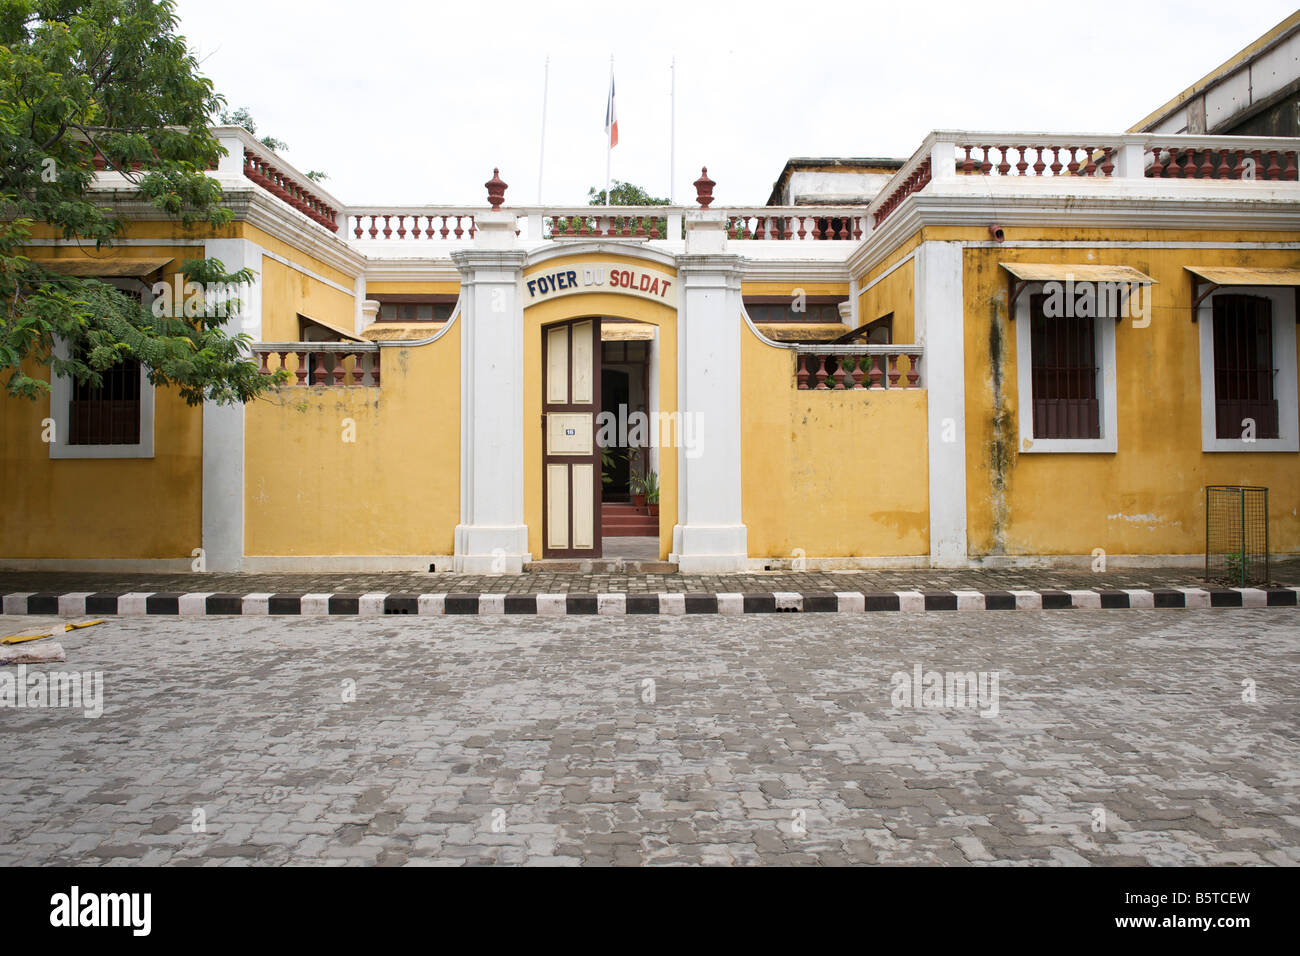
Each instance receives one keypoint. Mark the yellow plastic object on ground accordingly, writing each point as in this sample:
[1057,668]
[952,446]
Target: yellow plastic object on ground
[74,627]
[22,638]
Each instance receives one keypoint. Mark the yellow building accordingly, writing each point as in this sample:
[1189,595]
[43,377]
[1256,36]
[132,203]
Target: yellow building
[1005,348]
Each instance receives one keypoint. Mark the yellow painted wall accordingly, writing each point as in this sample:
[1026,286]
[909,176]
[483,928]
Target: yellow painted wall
[108,508]
[287,292]
[138,508]
[1147,498]
[601,304]
[413,288]
[895,293]
[395,491]
[834,473]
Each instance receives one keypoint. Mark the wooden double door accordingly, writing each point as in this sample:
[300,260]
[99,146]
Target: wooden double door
[571,466]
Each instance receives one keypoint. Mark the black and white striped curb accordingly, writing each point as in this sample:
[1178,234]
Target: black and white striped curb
[170,602]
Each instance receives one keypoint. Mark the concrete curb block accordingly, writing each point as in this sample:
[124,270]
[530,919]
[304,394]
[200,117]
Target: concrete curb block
[81,603]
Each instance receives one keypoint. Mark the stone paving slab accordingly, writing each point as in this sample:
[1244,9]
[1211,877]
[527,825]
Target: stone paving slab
[1120,738]
[81,603]
[1285,573]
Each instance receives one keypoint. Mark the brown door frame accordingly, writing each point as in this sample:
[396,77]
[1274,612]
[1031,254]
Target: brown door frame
[547,459]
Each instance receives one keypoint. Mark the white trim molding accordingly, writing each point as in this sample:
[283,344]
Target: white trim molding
[1104,330]
[1284,382]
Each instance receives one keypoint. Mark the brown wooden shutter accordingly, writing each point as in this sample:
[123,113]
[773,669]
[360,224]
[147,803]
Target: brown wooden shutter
[1064,374]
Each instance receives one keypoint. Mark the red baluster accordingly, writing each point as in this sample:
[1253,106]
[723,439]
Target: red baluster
[844,227]
[261,368]
[893,371]
[1222,172]
[428,232]
[1072,167]
[967,164]
[874,374]
[338,368]
[1107,167]
[839,373]
[473,227]
[358,367]
[857,227]
[300,373]
[401,227]
[1004,166]
[801,376]
[376,354]
[1289,174]
[1157,168]
[1021,166]
[1039,165]
[1090,166]
[1274,170]
[444,231]
[821,371]
[388,232]
[1056,161]
[458,231]
[857,371]
[374,226]
[1207,168]
[914,370]
[817,227]
[357,231]
[802,233]
[985,164]
[1240,167]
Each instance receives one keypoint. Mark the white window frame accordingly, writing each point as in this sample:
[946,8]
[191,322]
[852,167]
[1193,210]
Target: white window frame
[1104,330]
[1284,383]
[61,396]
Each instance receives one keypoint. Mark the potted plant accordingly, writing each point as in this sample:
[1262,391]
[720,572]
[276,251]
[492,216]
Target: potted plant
[636,486]
[651,486]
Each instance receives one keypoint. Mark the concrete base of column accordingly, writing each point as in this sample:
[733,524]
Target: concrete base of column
[489,549]
[710,549]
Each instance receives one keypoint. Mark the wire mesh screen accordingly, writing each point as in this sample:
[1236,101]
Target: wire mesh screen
[1236,534]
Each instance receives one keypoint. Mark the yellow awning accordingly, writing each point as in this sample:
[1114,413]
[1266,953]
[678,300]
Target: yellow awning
[1245,275]
[119,266]
[1049,272]
[343,334]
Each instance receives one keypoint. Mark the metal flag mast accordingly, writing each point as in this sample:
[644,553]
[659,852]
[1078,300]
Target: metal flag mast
[609,128]
[541,159]
[672,134]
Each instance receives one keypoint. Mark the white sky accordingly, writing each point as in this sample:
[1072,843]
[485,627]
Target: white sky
[408,102]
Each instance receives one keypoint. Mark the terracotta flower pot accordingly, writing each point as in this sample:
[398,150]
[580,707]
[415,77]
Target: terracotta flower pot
[654,509]
[638,501]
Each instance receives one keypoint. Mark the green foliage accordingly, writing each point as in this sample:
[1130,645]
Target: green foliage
[650,487]
[624,194]
[107,78]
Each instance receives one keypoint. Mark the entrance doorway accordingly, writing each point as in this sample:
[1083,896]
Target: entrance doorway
[570,456]
[629,527]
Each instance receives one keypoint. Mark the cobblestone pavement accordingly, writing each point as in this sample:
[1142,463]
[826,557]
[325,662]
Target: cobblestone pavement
[1285,573]
[769,739]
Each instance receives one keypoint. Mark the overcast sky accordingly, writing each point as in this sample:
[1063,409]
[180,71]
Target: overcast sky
[415,102]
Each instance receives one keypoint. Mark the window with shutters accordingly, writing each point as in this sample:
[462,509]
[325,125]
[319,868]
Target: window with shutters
[1064,351]
[1243,367]
[1065,378]
[1248,369]
[113,419]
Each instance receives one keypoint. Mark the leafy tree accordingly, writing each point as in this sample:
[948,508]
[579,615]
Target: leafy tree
[624,194]
[107,80]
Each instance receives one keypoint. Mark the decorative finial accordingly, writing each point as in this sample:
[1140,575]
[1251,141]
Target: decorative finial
[704,188]
[496,189]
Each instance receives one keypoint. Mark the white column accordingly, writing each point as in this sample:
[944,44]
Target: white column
[710,535]
[491,536]
[940,327]
[223,425]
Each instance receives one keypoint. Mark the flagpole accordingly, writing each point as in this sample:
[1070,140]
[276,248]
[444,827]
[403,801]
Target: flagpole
[541,159]
[609,134]
[672,135]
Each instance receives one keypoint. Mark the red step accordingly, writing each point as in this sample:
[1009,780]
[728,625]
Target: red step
[620,520]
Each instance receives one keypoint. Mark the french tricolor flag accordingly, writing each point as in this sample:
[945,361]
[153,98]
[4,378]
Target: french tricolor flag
[611,115]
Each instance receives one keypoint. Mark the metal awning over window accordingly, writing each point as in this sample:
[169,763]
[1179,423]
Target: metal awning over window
[119,267]
[1208,279]
[1023,273]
